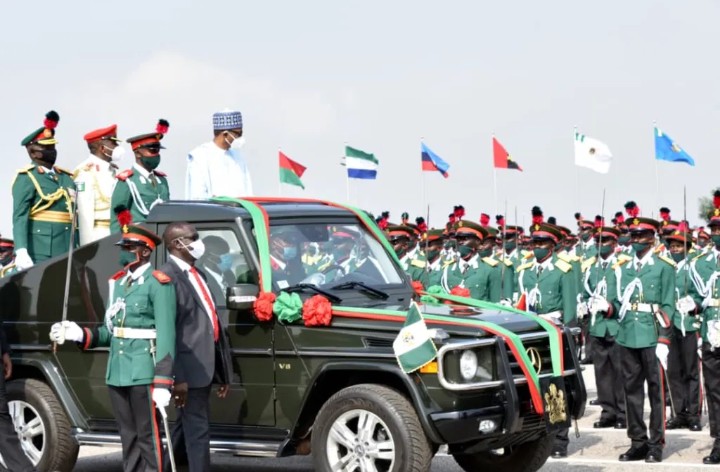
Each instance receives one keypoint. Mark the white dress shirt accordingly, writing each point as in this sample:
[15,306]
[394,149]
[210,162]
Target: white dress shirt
[185,267]
[213,171]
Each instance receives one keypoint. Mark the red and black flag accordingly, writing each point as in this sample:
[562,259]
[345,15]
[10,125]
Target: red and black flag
[502,157]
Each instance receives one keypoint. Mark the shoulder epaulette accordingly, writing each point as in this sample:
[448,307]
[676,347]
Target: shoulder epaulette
[418,263]
[124,175]
[490,261]
[667,260]
[161,276]
[160,173]
[117,275]
[621,261]
[697,256]
[588,263]
[527,265]
[26,169]
[508,262]
[565,257]
[528,255]
[659,248]
[62,171]
[622,257]
[563,266]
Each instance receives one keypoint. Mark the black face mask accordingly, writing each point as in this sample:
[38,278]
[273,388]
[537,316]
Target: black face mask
[48,156]
[6,260]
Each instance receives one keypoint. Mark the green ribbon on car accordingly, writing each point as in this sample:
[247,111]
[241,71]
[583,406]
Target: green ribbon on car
[260,223]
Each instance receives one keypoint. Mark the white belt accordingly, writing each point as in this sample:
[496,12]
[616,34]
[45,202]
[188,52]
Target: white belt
[134,333]
[644,307]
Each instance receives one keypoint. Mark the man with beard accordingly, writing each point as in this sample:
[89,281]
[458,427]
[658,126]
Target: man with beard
[43,197]
[142,187]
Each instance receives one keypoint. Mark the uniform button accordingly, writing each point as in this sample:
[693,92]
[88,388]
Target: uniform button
[121,343]
[120,352]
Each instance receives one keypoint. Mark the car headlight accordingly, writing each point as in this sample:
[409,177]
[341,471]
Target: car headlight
[468,364]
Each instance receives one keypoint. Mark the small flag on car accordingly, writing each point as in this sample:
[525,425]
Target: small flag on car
[413,346]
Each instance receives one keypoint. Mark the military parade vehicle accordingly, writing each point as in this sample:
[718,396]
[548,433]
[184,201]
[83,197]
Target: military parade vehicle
[321,380]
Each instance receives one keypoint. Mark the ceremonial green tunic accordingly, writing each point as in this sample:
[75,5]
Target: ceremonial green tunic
[654,283]
[554,288]
[705,270]
[149,303]
[137,190]
[42,211]
[602,276]
[684,287]
[482,276]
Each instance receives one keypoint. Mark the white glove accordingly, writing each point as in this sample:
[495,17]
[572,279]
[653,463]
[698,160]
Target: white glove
[505,302]
[685,305]
[67,330]
[161,397]
[22,259]
[661,352]
[598,304]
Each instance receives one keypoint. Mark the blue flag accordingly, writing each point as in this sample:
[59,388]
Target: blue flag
[667,150]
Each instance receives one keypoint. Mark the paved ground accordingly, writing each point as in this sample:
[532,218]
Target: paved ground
[595,450]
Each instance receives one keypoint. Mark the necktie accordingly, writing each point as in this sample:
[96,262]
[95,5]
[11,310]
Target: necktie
[539,271]
[153,180]
[208,301]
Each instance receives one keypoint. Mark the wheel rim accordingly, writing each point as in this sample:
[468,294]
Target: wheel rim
[30,430]
[359,441]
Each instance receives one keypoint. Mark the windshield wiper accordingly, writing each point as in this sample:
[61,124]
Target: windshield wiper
[314,288]
[362,285]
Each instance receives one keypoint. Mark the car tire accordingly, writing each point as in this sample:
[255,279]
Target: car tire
[35,404]
[525,457]
[393,440]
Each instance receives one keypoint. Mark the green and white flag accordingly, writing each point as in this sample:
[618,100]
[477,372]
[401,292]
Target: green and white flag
[413,346]
[592,153]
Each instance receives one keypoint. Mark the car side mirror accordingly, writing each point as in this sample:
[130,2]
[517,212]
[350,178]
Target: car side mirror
[241,296]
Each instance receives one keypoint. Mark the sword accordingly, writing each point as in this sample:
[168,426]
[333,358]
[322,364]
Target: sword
[68,271]
[163,414]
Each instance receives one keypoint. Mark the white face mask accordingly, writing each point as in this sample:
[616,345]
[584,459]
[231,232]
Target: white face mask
[238,143]
[195,248]
[117,154]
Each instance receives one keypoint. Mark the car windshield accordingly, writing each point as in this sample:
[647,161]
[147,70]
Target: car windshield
[326,255]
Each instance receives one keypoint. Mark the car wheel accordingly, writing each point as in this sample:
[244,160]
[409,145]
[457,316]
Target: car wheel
[42,426]
[369,427]
[526,457]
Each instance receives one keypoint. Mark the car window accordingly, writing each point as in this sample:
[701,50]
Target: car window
[328,254]
[224,261]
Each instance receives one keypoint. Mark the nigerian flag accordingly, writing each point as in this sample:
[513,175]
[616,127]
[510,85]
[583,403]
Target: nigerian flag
[413,346]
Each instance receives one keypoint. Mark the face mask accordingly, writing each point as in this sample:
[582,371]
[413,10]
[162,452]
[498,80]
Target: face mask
[640,247]
[127,257]
[624,240]
[466,251]
[433,254]
[6,260]
[117,154]
[49,156]
[150,163]
[716,240]
[290,252]
[606,251]
[677,256]
[400,251]
[510,245]
[237,143]
[225,263]
[541,253]
[486,252]
[585,237]
[195,248]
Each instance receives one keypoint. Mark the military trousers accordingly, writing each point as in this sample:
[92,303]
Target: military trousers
[640,365]
[609,378]
[711,377]
[684,375]
[138,422]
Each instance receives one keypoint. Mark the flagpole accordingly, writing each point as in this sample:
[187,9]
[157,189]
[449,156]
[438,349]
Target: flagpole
[347,175]
[425,203]
[657,175]
[279,181]
[495,197]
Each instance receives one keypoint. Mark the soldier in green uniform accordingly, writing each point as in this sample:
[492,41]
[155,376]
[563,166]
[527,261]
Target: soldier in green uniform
[432,247]
[7,257]
[705,271]
[550,288]
[683,363]
[142,187]
[585,247]
[476,269]
[401,238]
[42,200]
[600,289]
[645,302]
[139,329]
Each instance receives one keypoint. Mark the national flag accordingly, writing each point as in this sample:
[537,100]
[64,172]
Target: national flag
[502,158]
[433,162]
[591,153]
[290,171]
[667,150]
[413,345]
[360,164]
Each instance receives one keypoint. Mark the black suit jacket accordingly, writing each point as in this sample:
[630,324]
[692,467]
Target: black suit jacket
[198,358]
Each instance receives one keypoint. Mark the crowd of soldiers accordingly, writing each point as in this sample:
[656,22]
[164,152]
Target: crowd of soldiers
[644,293]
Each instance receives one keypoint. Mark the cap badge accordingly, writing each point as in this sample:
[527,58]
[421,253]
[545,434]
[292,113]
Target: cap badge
[636,221]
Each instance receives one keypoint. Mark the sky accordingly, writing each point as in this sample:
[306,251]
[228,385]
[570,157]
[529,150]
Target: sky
[310,77]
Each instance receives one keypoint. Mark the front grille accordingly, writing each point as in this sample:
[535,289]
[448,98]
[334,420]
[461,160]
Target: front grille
[539,347]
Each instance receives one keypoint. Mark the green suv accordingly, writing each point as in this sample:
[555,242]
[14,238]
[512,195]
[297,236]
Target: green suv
[328,385]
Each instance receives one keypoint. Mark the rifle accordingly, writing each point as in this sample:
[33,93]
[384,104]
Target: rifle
[502,251]
[598,257]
